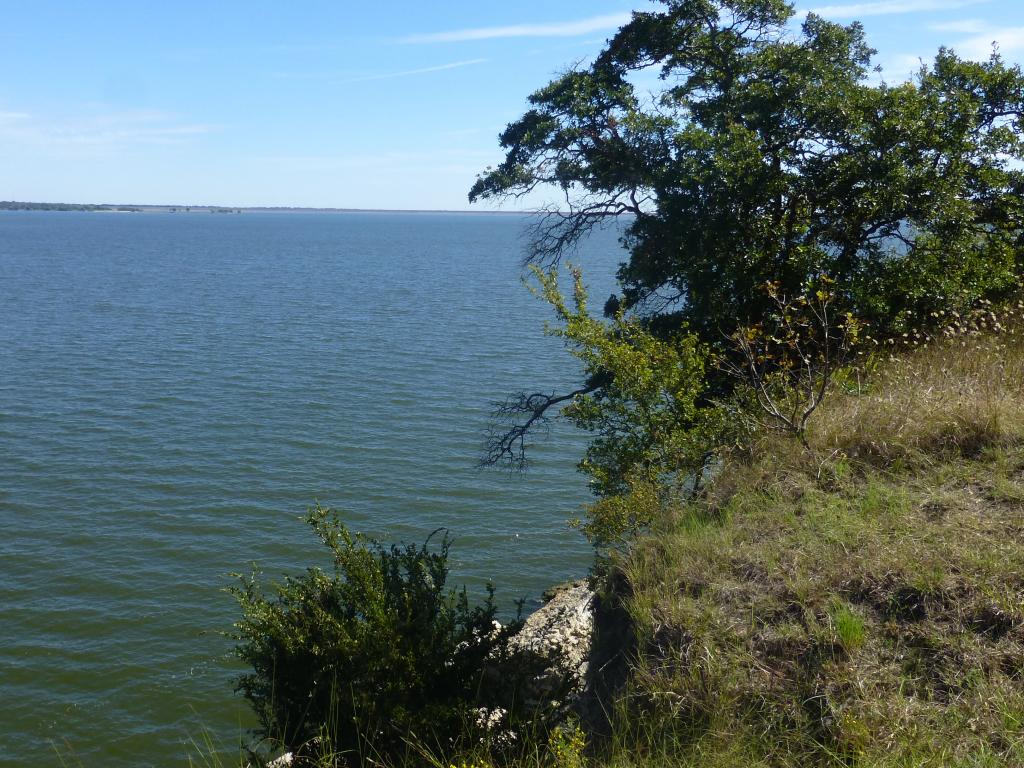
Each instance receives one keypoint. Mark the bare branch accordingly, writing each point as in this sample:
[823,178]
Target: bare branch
[507,445]
[557,231]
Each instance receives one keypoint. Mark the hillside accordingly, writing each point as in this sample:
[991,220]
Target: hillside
[860,602]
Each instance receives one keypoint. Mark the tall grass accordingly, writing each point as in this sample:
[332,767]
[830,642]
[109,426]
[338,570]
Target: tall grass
[957,393]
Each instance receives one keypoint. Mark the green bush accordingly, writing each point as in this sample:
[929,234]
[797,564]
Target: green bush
[650,416]
[369,657]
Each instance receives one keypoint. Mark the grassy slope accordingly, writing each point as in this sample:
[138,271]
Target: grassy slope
[861,602]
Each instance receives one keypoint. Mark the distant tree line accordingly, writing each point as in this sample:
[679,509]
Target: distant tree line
[13,205]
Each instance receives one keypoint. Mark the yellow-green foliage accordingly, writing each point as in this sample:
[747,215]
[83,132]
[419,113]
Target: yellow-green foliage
[646,418]
[618,518]
[787,361]
[565,747]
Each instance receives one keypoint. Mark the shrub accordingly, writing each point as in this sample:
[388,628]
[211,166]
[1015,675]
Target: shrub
[369,657]
[788,361]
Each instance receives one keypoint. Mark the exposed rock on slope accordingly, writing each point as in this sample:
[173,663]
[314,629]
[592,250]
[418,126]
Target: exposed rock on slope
[556,639]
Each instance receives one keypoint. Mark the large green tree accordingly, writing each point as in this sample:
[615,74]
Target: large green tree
[771,153]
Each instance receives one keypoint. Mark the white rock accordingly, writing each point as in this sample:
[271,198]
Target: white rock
[560,633]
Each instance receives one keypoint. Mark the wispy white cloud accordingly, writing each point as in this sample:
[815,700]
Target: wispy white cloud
[419,71]
[977,40]
[552,29]
[964,26]
[889,7]
[350,76]
[113,128]
[1008,40]
[469,161]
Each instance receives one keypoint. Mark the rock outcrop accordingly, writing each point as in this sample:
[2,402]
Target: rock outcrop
[555,644]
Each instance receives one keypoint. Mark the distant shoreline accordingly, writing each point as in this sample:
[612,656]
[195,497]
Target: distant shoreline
[13,205]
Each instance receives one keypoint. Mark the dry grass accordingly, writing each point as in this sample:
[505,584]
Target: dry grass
[956,394]
[860,602]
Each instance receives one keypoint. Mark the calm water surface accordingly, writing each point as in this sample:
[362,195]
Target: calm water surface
[176,390]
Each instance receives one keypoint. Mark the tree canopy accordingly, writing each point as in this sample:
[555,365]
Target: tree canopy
[771,153]
[767,154]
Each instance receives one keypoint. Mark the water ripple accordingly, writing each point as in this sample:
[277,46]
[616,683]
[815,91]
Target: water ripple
[175,392]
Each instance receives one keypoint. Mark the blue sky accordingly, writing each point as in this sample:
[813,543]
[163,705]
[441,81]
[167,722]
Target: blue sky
[376,105]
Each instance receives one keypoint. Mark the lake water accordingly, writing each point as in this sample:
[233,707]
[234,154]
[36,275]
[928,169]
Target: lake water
[177,389]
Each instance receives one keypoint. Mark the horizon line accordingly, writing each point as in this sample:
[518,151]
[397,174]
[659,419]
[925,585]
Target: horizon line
[206,206]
